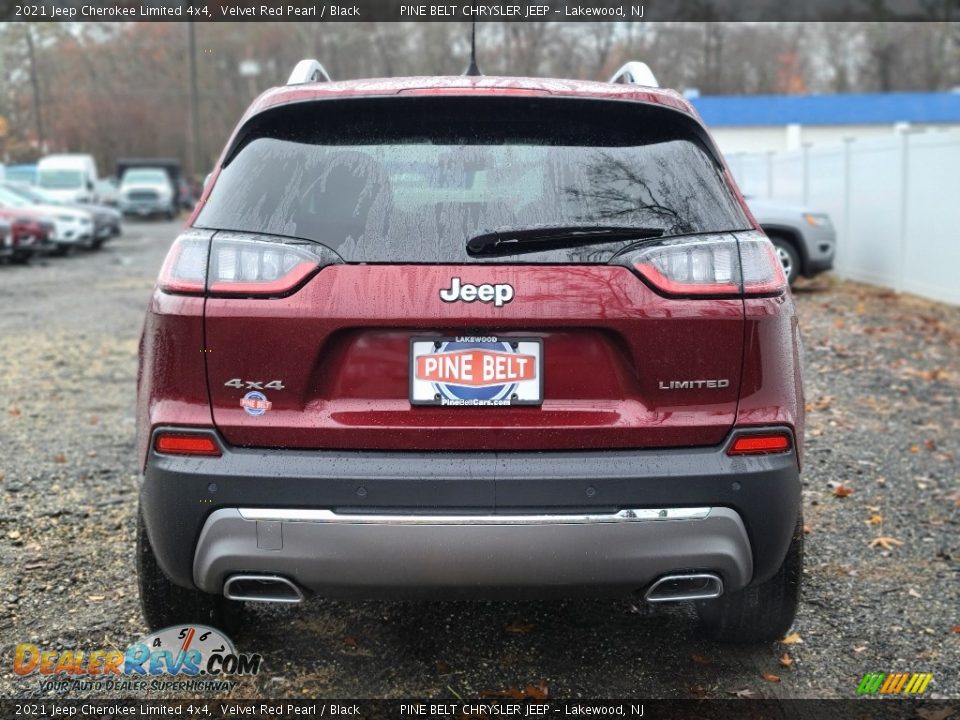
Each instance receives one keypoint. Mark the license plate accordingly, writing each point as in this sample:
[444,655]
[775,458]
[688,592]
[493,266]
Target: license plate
[476,371]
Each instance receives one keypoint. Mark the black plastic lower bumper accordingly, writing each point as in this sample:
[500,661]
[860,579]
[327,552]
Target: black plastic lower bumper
[179,493]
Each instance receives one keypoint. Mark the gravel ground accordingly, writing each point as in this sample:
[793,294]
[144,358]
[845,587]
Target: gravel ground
[881,501]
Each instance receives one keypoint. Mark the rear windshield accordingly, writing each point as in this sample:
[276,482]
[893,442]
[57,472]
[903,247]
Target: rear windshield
[413,179]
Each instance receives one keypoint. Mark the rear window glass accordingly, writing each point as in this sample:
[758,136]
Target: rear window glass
[413,179]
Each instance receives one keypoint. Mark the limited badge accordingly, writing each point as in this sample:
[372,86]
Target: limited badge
[255,403]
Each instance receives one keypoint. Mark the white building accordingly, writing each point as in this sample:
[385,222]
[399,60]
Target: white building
[774,123]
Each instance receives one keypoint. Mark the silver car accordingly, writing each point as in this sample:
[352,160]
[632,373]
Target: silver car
[805,239]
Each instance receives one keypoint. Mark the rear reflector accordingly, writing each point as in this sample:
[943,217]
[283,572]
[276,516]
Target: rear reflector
[186,444]
[760,444]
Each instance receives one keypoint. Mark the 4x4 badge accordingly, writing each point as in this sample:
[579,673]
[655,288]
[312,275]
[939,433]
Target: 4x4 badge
[499,294]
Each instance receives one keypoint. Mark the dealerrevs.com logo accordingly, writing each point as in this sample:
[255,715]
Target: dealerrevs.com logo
[903,683]
[192,658]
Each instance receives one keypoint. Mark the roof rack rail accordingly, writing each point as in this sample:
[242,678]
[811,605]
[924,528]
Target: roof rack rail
[308,71]
[635,73]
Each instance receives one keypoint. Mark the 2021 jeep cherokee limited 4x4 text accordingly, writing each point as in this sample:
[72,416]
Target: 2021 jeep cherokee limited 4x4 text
[471,336]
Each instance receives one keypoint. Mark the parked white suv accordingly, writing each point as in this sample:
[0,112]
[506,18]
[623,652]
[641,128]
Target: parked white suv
[147,191]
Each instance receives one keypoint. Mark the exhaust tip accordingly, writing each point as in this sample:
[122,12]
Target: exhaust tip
[262,588]
[689,586]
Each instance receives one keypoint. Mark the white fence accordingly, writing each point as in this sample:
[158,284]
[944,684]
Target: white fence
[895,202]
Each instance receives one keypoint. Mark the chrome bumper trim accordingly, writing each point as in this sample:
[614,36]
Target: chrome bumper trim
[329,516]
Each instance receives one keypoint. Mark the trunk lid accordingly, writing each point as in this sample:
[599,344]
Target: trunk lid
[333,361]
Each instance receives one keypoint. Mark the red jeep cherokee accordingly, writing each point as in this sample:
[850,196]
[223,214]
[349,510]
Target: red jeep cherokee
[471,336]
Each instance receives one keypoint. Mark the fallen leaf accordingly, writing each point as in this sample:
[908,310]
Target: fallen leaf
[745,693]
[913,593]
[701,660]
[519,628]
[350,642]
[60,458]
[839,323]
[859,648]
[96,598]
[861,308]
[785,660]
[537,692]
[697,691]
[770,677]
[14,534]
[821,404]
[887,543]
[875,520]
[792,639]
[914,449]
[842,491]
[955,629]
[929,375]
[442,667]
[930,445]
[94,419]
[807,529]
[13,412]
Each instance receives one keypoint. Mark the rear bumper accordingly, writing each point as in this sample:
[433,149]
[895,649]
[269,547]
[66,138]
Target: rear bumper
[312,510]
[364,555]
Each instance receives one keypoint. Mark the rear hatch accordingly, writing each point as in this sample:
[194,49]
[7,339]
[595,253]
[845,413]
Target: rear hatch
[466,273]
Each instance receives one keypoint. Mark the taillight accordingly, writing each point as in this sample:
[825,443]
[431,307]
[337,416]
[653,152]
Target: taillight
[258,265]
[185,269]
[709,265]
[760,268]
[173,443]
[237,264]
[760,443]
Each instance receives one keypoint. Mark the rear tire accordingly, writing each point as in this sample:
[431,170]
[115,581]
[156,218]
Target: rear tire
[788,256]
[164,603]
[759,613]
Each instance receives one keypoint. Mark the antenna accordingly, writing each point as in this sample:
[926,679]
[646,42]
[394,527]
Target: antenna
[472,69]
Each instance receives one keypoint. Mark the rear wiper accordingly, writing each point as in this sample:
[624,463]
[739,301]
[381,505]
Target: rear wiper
[508,242]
